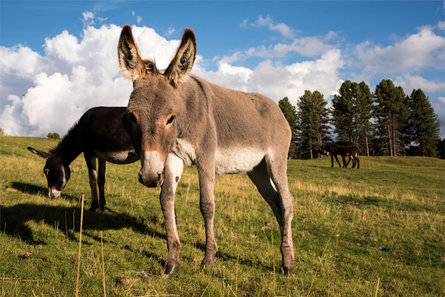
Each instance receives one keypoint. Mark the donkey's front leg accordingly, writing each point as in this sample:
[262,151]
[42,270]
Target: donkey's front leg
[92,174]
[172,174]
[206,172]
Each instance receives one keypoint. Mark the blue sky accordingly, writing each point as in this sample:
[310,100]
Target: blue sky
[59,57]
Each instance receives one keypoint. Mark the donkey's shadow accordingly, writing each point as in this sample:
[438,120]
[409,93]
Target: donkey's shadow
[14,220]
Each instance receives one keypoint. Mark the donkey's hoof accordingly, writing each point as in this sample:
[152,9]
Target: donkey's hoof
[94,206]
[170,269]
[286,270]
[102,208]
[206,263]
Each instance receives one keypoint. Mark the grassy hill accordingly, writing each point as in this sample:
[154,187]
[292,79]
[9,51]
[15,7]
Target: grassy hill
[376,231]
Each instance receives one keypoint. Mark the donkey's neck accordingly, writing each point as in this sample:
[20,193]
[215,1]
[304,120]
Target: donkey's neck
[70,146]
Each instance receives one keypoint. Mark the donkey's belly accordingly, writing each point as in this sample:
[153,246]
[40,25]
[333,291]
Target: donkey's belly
[237,160]
[118,157]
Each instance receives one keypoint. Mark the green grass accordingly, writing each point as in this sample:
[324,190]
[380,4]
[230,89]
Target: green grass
[376,231]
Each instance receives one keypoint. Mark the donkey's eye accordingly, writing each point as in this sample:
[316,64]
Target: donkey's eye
[149,68]
[133,118]
[170,120]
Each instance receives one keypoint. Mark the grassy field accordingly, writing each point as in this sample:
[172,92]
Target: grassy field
[376,231]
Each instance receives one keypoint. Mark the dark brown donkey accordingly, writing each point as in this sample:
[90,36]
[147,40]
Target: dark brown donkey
[344,149]
[100,133]
[180,119]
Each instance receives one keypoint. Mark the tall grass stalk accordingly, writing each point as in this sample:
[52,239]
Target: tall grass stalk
[103,263]
[80,247]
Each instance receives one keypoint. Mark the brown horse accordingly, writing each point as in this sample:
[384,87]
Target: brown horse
[344,149]
[100,133]
[179,118]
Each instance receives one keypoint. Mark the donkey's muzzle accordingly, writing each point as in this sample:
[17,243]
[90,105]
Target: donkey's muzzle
[53,193]
[152,168]
[151,180]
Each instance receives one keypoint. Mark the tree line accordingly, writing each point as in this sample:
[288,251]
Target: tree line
[386,122]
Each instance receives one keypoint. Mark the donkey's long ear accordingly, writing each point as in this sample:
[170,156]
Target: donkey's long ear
[130,62]
[39,153]
[181,65]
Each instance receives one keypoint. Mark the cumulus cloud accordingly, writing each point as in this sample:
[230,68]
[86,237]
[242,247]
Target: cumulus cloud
[410,82]
[50,91]
[418,51]
[277,81]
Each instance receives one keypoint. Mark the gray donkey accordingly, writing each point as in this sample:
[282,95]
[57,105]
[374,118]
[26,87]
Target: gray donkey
[179,118]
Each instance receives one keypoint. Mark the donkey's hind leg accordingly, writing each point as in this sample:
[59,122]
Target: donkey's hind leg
[92,174]
[101,182]
[282,206]
[260,177]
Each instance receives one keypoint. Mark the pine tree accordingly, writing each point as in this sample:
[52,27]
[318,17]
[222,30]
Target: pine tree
[424,124]
[352,111]
[290,113]
[391,113]
[363,115]
[342,112]
[312,121]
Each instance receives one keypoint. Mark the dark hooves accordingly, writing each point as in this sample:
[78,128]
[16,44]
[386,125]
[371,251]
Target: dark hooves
[170,270]
[94,206]
[286,270]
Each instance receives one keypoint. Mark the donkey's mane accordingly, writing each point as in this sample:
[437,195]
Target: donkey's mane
[68,142]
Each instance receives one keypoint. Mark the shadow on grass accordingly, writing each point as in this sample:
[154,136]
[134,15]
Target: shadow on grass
[37,190]
[14,219]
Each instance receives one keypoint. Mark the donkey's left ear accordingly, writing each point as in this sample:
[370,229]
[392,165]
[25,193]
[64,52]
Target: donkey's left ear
[130,62]
[181,65]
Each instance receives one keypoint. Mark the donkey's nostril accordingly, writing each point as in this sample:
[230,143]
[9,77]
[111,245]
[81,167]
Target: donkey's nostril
[159,176]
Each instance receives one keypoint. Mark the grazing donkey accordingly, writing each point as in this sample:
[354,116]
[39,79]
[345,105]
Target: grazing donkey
[179,118]
[343,149]
[100,133]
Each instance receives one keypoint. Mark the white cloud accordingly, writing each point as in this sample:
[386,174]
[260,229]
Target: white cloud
[170,30]
[418,51]
[278,81]
[281,28]
[410,82]
[51,91]
[139,19]
[88,18]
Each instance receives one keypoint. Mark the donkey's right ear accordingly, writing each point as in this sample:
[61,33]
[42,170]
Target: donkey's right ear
[39,153]
[130,61]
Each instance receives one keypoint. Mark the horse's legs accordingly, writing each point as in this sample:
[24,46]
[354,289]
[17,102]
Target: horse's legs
[332,160]
[277,168]
[206,172]
[172,174]
[101,181]
[91,164]
[335,155]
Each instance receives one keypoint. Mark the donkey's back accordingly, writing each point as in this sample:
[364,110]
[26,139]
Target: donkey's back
[247,126]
